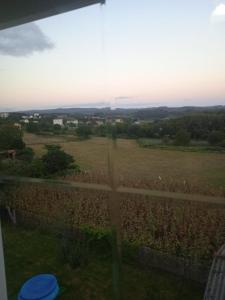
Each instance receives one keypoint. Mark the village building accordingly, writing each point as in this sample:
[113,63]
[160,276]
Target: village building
[26,121]
[4,115]
[72,122]
[18,125]
[58,122]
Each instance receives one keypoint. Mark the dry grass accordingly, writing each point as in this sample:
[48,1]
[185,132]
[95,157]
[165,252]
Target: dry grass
[138,165]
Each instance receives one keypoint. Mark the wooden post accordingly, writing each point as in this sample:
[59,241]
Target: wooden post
[3,288]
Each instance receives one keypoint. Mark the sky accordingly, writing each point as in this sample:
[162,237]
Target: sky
[123,54]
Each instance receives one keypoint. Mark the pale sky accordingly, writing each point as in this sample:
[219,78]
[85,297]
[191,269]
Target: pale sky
[127,53]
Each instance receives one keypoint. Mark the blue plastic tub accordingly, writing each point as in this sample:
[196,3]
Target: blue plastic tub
[40,287]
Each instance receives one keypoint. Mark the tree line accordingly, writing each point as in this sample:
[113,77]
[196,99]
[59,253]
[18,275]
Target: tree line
[208,126]
[200,126]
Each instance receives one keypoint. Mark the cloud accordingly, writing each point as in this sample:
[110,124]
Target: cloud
[23,40]
[218,15]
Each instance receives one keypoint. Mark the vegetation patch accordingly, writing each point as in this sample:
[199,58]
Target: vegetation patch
[192,146]
[30,252]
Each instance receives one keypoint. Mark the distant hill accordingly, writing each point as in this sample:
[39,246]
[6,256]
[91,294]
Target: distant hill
[152,113]
[169,112]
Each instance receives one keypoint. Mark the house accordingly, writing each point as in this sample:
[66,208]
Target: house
[118,120]
[73,122]
[4,115]
[26,121]
[137,122]
[36,116]
[99,123]
[18,125]
[58,122]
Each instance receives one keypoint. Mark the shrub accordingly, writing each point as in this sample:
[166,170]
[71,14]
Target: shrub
[33,127]
[26,154]
[216,138]
[11,138]
[182,138]
[166,139]
[80,244]
[75,248]
[56,160]
[83,131]
[14,167]
[37,168]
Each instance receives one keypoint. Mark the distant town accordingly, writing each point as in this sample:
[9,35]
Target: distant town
[178,125]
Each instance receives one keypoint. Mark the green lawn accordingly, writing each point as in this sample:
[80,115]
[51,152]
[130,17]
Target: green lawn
[30,252]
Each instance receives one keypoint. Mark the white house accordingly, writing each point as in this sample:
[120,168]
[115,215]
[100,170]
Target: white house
[4,115]
[36,115]
[73,122]
[137,122]
[58,122]
[99,123]
[25,121]
[18,125]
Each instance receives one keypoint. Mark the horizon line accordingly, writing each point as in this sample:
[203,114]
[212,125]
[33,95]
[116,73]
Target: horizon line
[107,107]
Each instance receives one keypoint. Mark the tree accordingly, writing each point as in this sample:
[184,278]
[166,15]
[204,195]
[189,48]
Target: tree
[57,128]
[26,154]
[11,138]
[216,138]
[37,168]
[83,131]
[32,127]
[56,160]
[182,138]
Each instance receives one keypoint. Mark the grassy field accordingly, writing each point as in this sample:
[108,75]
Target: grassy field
[134,163]
[29,253]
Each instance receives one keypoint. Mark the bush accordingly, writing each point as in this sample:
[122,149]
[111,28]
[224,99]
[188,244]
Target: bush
[26,154]
[216,138]
[75,248]
[165,140]
[56,160]
[80,244]
[37,169]
[33,127]
[11,138]
[14,167]
[182,138]
[83,131]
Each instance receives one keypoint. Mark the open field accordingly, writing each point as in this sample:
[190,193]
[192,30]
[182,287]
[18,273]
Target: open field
[29,253]
[137,164]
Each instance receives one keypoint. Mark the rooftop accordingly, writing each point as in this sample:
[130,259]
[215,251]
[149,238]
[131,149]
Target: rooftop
[24,11]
